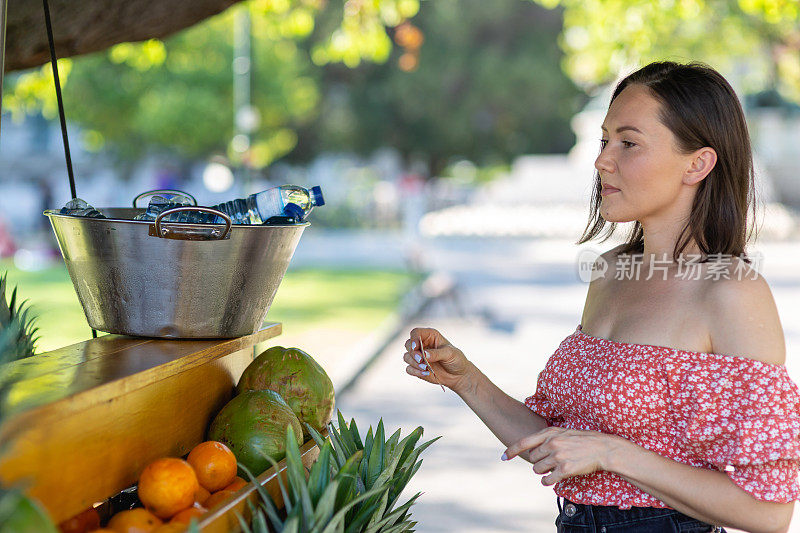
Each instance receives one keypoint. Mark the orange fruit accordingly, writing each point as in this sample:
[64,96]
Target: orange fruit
[185,516]
[214,464]
[87,520]
[238,484]
[167,486]
[134,521]
[201,495]
[171,527]
[219,496]
[106,530]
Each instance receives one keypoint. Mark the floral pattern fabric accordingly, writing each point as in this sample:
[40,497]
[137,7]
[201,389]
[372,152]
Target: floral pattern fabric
[728,413]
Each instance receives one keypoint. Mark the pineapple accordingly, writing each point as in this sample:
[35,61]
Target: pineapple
[351,488]
[389,461]
[317,503]
[17,320]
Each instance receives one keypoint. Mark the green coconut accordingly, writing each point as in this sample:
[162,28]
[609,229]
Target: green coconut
[298,378]
[253,424]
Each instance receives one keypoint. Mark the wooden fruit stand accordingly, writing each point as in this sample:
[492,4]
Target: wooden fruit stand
[95,413]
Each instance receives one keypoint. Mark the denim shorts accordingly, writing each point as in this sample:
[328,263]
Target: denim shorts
[579,518]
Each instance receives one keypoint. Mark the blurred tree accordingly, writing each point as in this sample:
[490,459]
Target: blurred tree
[755,41]
[473,79]
[177,94]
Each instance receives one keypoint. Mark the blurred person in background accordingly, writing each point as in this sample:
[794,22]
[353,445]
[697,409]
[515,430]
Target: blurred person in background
[669,408]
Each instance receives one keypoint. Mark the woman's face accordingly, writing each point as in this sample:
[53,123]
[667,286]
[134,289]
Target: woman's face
[640,159]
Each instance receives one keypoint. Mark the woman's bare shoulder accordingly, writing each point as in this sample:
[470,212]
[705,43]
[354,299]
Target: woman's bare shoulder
[600,283]
[743,318]
[612,253]
[609,260]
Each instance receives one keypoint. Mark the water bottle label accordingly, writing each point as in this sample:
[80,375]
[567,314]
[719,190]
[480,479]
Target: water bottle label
[269,203]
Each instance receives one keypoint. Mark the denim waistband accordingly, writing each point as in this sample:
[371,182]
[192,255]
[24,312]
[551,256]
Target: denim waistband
[590,518]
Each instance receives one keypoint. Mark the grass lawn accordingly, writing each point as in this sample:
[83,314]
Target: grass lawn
[349,300]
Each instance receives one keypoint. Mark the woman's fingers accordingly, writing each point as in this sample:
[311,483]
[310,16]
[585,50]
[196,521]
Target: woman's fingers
[437,354]
[411,345]
[544,465]
[418,373]
[554,477]
[414,360]
[430,337]
[530,442]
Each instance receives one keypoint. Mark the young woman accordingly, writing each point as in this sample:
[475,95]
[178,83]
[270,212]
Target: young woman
[669,408]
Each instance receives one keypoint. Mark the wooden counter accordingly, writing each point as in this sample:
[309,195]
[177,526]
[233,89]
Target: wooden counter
[93,414]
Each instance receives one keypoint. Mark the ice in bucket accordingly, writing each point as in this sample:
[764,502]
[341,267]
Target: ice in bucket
[162,202]
[79,208]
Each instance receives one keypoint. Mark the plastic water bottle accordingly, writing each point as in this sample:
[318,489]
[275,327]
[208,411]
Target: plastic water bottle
[288,202]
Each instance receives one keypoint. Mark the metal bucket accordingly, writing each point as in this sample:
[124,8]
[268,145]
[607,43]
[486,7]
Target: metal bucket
[172,280]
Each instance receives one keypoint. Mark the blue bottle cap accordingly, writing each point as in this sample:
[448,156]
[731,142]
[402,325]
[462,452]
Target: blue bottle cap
[294,211]
[316,195]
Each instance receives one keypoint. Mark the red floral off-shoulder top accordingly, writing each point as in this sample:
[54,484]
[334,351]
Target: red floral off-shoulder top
[723,412]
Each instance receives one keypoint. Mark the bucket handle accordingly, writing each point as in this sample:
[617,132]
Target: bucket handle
[186,231]
[161,191]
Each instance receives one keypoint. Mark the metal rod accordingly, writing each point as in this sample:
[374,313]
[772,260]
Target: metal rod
[54,62]
[3,23]
[61,116]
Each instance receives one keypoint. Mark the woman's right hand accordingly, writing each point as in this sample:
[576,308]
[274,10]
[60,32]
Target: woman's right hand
[449,363]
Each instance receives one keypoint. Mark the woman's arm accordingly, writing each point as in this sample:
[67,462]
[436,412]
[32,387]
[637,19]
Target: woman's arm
[708,495]
[509,419]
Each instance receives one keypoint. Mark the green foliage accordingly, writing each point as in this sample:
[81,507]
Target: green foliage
[16,325]
[385,461]
[485,85]
[177,93]
[352,487]
[360,32]
[754,40]
[21,514]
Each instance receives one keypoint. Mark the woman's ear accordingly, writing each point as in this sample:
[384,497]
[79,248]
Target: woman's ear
[702,163]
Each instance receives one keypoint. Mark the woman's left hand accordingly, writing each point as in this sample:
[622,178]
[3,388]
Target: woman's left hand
[566,452]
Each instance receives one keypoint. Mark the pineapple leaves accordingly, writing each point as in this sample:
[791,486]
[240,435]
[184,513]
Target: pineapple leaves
[341,452]
[348,475]
[352,487]
[295,473]
[376,457]
[320,472]
[356,435]
[346,436]
[17,319]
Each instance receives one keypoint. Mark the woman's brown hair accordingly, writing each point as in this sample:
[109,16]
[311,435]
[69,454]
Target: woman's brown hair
[701,109]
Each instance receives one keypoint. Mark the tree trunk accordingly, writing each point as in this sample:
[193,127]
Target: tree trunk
[84,26]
